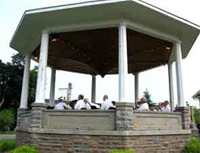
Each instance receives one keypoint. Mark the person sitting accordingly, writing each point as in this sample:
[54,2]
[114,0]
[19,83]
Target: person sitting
[107,104]
[94,105]
[61,105]
[82,103]
[165,107]
[143,105]
[73,103]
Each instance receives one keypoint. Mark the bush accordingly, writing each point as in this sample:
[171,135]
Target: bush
[196,116]
[121,151]
[25,149]
[193,146]
[6,119]
[7,144]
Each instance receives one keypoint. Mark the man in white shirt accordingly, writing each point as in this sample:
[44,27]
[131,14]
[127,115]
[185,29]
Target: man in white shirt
[143,105]
[62,105]
[166,108]
[81,103]
[106,103]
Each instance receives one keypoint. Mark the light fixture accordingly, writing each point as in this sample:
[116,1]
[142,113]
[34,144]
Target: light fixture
[168,48]
[54,40]
[36,57]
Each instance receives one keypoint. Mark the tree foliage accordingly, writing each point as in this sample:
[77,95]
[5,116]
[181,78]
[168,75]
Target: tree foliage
[6,119]
[196,116]
[148,98]
[11,83]
[11,76]
[193,146]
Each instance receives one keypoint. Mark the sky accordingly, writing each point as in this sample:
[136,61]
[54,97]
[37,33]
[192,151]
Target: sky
[155,80]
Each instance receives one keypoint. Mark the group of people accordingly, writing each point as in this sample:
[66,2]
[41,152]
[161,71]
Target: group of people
[83,103]
[163,107]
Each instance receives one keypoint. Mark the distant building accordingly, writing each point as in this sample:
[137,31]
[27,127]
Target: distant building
[196,96]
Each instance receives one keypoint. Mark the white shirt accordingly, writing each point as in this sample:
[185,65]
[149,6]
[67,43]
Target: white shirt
[81,104]
[62,105]
[166,109]
[107,104]
[143,106]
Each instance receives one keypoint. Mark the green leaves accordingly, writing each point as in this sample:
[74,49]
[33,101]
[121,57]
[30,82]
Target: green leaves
[196,116]
[25,149]
[6,119]
[193,146]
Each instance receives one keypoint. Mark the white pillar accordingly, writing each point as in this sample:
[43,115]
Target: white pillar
[178,56]
[52,86]
[93,99]
[123,63]
[136,88]
[41,79]
[171,85]
[25,84]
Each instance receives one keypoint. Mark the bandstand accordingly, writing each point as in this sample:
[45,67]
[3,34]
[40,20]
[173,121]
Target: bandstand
[99,38]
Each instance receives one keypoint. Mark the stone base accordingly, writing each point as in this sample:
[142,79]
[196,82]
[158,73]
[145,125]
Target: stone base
[82,143]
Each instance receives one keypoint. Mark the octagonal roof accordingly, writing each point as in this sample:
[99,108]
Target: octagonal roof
[141,18]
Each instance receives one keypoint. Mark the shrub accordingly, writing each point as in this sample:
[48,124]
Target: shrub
[122,151]
[193,146]
[6,119]
[25,149]
[196,116]
[7,144]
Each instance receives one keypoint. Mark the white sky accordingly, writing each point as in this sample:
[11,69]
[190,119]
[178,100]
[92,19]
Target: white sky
[156,80]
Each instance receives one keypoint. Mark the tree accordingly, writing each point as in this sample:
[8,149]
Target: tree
[11,82]
[148,98]
[32,85]
[11,75]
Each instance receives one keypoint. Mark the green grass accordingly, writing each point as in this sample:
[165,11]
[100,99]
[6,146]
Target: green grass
[7,144]
[7,132]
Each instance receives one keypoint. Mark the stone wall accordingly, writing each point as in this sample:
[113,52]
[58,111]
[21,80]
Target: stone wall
[67,143]
[153,121]
[79,120]
[112,129]
[23,119]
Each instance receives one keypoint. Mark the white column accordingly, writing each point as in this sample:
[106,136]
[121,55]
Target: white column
[93,99]
[178,56]
[123,63]
[25,84]
[136,87]
[171,85]
[41,79]
[52,86]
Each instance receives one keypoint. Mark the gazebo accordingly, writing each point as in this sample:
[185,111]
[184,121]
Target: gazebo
[99,38]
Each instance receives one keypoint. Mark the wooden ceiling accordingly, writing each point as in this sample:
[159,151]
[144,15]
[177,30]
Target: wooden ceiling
[96,51]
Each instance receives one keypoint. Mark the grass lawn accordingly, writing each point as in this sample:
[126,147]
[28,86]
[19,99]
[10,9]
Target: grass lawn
[7,132]
[7,144]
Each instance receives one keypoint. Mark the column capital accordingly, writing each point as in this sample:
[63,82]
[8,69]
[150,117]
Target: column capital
[123,23]
[45,31]
[39,106]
